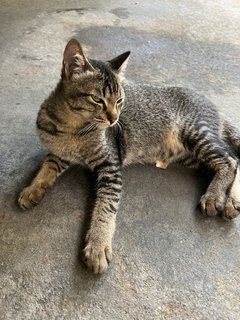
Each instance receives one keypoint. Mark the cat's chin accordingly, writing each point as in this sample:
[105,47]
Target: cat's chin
[113,124]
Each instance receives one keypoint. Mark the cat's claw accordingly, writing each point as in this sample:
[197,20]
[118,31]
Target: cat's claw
[98,254]
[30,197]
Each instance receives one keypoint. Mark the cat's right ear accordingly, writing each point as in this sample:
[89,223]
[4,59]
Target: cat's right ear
[75,62]
[119,64]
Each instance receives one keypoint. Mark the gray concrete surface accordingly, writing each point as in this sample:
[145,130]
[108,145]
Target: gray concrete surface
[169,262]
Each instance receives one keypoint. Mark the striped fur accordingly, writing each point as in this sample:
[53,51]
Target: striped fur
[51,168]
[86,121]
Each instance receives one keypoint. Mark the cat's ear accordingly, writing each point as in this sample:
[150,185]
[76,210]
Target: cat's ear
[74,60]
[119,63]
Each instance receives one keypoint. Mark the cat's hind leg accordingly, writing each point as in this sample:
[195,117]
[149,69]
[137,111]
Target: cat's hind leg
[232,206]
[222,195]
[51,168]
[231,136]
[190,162]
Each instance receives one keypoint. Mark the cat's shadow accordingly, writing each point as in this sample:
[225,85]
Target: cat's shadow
[73,175]
[80,267]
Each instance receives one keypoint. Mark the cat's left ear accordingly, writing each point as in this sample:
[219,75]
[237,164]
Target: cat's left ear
[75,62]
[119,63]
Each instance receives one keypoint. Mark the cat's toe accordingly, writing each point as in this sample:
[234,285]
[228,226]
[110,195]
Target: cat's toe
[161,164]
[232,209]
[30,197]
[97,256]
[212,205]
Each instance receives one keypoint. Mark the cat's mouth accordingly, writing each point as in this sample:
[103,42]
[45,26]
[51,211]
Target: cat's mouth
[113,123]
[106,122]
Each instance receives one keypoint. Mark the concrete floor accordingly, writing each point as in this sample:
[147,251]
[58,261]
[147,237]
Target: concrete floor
[169,262]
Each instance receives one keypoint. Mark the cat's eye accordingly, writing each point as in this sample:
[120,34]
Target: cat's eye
[119,100]
[97,99]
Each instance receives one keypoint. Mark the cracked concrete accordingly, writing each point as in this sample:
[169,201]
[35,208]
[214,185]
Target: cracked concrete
[170,262]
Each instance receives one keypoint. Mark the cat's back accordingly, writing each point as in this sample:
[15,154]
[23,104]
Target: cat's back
[164,102]
[152,95]
[149,104]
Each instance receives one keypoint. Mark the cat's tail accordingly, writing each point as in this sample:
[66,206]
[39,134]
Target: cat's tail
[231,135]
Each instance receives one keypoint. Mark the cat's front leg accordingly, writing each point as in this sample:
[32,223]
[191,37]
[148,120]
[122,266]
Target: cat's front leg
[98,249]
[51,168]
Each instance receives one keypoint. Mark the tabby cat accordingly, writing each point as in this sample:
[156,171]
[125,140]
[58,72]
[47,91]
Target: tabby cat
[89,119]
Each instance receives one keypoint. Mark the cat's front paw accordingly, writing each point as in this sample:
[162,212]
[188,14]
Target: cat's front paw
[212,204]
[30,197]
[98,252]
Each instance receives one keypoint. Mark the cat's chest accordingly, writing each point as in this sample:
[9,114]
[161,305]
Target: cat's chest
[67,147]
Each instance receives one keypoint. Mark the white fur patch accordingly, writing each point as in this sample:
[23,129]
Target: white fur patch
[161,165]
[235,190]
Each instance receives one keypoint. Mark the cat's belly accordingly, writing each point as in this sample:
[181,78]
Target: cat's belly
[146,157]
[167,150]
[139,156]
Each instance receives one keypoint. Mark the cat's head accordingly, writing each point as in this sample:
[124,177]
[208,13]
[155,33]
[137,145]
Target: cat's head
[93,88]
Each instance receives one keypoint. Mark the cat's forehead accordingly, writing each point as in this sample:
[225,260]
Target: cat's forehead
[104,70]
[103,81]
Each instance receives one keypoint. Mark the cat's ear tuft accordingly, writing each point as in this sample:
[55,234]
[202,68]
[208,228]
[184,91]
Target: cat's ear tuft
[74,60]
[119,63]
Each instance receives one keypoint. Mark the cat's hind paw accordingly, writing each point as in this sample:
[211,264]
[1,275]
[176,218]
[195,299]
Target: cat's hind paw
[232,206]
[30,197]
[232,209]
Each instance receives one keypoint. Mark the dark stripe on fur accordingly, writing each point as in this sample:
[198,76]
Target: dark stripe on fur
[97,159]
[56,163]
[230,185]
[112,207]
[52,115]
[49,128]
[108,182]
[104,165]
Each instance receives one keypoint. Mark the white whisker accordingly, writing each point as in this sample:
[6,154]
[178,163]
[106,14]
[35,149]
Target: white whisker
[87,129]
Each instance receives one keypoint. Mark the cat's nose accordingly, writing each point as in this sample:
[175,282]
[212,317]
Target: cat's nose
[112,120]
[112,117]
